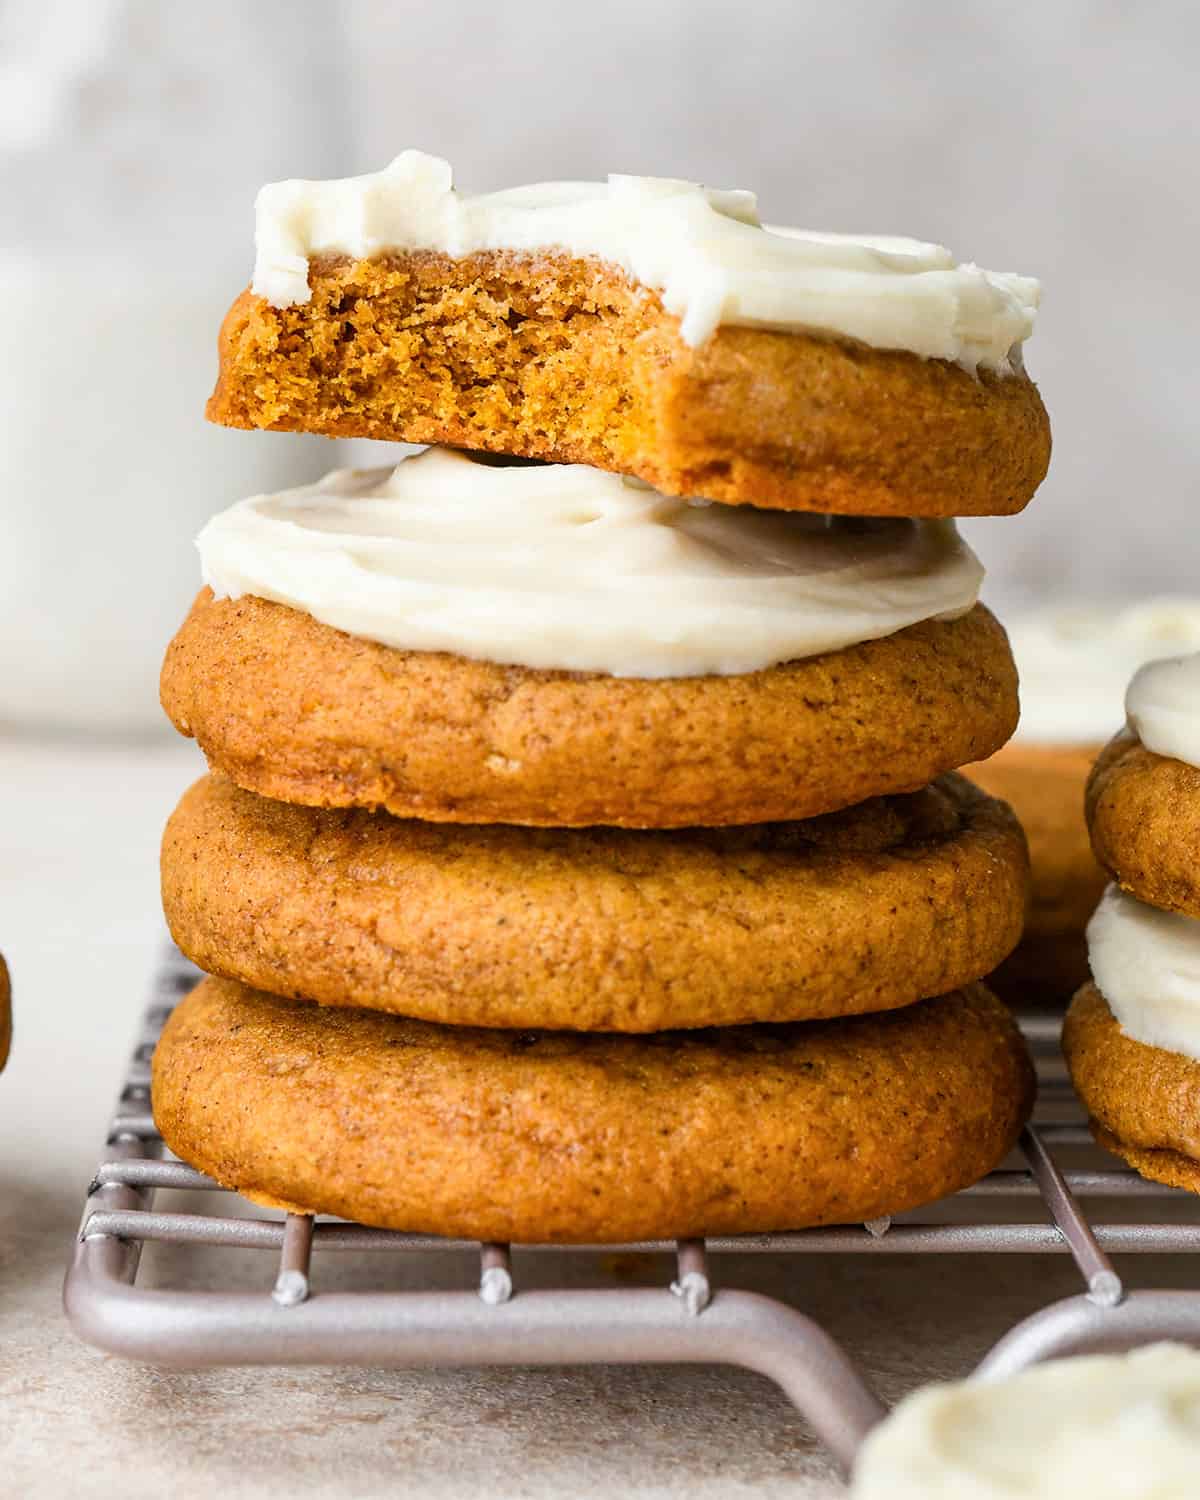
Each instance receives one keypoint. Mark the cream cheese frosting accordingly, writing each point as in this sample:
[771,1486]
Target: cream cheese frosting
[704,250]
[1108,1427]
[1075,662]
[1162,707]
[566,567]
[1146,964]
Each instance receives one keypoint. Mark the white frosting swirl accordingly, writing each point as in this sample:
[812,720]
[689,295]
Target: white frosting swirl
[567,567]
[1162,707]
[1075,662]
[704,250]
[1108,1427]
[1146,964]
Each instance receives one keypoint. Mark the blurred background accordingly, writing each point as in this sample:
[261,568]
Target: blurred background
[1054,139]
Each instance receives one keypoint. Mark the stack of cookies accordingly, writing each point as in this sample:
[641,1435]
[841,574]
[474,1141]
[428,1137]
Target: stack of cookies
[1132,1036]
[582,860]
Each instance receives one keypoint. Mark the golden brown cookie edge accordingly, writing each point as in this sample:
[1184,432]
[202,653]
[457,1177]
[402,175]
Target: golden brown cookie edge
[246,1086]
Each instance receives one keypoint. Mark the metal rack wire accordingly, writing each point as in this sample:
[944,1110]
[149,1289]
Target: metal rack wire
[292,1322]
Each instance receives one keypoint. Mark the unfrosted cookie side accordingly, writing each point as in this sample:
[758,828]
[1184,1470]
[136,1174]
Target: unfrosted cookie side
[295,710]
[528,1136]
[597,929]
[1143,811]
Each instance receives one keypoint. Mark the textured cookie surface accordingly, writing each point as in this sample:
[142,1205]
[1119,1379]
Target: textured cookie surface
[1142,1100]
[1044,785]
[597,929]
[295,710]
[566,1137]
[565,359]
[1144,813]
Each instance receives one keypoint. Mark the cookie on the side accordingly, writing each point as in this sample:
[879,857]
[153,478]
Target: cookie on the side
[1044,785]
[294,710]
[544,1137]
[1143,810]
[597,929]
[1141,1098]
[5,1012]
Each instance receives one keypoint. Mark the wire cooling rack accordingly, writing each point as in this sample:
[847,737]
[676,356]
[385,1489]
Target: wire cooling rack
[291,1321]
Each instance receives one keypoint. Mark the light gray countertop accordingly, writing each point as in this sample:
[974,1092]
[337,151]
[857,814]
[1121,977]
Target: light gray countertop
[79,923]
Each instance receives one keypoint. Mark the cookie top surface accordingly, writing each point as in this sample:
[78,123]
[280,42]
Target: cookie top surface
[597,929]
[1143,811]
[567,567]
[705,251]
[293,709]
[531,1136]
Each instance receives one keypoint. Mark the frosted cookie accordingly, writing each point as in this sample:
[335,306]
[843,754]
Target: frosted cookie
[1143,799]
[5,1012]
[529,1136]
[1074,664]
[1109,1426]
[597,929]
[644,325]
[1141,1097]
[462,642]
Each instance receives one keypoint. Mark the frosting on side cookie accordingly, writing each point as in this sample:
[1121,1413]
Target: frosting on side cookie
[1075,662]
[565,567]
[1146,963]
[1162,707]
[1106,1426]
[703,249]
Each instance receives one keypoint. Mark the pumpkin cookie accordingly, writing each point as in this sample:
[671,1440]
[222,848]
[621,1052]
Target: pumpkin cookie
[1141,1098]
[295,710]
[1044,785]
[532,1136]
[5,1012]
[1074,661]
[1143,810]
[597,929]
[619,348]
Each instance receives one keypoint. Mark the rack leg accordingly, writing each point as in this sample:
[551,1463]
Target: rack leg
[1103,1284]
[291,1284]
[495,1274]
[692,1285]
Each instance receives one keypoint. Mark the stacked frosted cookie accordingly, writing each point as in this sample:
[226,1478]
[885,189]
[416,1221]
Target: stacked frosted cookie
[582,860]
[1074,663]
[1132,1036]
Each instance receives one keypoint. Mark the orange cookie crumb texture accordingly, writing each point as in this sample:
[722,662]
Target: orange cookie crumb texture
[561,358]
